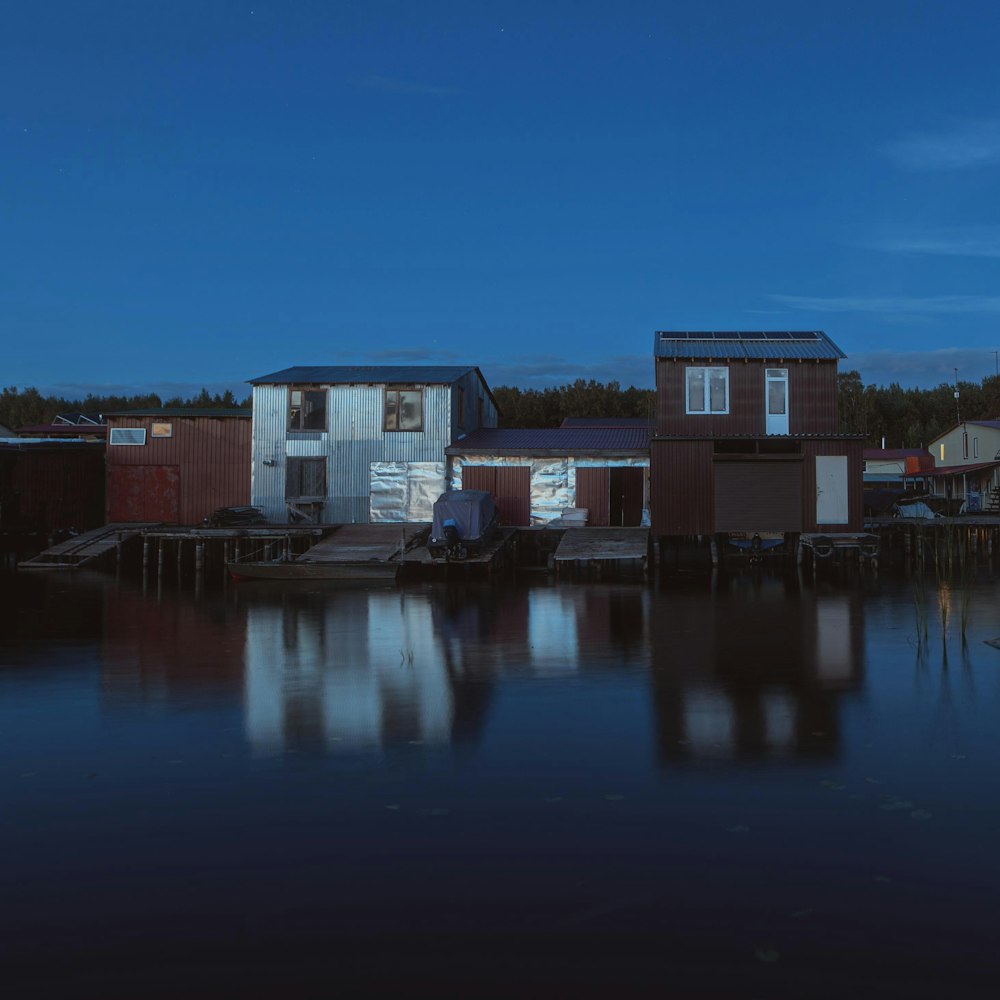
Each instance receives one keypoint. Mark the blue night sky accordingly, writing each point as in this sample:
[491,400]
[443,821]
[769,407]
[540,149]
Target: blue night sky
[199,193]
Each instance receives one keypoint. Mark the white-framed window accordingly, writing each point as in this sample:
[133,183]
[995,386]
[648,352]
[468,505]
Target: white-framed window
[706,390]
[942,452]
[975,447]
[965,444]
[127,435]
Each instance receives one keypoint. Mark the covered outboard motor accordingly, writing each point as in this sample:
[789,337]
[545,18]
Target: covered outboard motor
[464,522]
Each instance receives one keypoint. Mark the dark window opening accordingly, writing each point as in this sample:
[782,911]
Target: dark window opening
[305,478]
[404,409]
[307,409]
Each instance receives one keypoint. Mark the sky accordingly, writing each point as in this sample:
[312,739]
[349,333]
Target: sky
[195,194]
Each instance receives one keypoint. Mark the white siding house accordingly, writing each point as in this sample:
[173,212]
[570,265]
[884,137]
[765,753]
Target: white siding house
[341,445]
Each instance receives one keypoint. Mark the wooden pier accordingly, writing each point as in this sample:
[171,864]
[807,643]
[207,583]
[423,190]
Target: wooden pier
[88,549]
[603,552]
[497,556]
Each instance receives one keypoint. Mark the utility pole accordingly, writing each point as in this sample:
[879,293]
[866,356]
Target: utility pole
[996,363]
[958,415]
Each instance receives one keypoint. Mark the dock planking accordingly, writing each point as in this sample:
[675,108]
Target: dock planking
[85,549]
[603,551]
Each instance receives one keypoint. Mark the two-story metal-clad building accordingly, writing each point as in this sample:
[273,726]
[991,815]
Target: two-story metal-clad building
[747,436]
[346,444]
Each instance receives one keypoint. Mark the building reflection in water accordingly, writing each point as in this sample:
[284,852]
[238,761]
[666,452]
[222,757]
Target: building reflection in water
[756,669]
[752,668]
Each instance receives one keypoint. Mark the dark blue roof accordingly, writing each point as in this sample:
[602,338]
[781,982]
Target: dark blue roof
[762,345]
[562,439]
[365,374]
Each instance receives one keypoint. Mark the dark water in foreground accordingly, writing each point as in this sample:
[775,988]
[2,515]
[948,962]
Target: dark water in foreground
[537,790]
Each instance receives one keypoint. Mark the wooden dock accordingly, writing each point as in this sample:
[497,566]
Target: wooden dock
[838,546]
[88,548]
[348,552]
[603,552]
[497,555]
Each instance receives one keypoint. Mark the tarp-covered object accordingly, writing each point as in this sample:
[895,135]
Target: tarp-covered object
[471,514]
[917,509]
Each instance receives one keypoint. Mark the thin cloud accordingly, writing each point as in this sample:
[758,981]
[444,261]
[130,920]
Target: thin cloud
[973,144]
[939,305]
[971,242]
[922,368]
[394,85]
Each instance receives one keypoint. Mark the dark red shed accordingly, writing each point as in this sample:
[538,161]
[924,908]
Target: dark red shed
[177,465]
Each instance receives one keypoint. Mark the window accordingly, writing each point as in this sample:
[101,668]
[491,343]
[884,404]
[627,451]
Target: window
[162,430]
[707,390]
[306,409]
[127,435]
[404,409]
[942,453]
[975,447]
[965,444]
[305,477]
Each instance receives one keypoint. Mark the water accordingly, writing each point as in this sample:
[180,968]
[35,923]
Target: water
[761,790]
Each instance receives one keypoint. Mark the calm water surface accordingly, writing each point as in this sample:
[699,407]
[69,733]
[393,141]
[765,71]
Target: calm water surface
[753,790]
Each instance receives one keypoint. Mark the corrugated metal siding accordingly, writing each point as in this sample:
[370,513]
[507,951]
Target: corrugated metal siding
[855,482]
[812,392]
[212,455]
[593,491]
[681,499]
[474,391]
[354,439]
[56,488]
[758,496]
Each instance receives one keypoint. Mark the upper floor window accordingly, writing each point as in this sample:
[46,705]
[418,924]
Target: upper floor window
[127,435]
[707,390]
[307,409]
[965,444]
[404,409]
[975,447]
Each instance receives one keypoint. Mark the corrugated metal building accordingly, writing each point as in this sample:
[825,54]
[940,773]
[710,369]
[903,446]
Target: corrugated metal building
[536,474]
[177,465]
[747,435]
[348,444]
[51,485]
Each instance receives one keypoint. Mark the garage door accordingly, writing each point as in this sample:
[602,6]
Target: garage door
[510,486]
[758,496]
[144,493]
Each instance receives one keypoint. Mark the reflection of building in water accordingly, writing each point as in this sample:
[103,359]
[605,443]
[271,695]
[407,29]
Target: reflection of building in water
[755,668]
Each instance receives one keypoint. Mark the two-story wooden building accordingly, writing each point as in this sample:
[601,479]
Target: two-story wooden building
[747,436]
[344,444]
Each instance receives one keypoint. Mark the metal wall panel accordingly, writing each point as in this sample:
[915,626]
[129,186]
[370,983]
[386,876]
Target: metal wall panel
[681,497]
[593,491]
[758,496]
[812,397]
[212,456]
[353,440]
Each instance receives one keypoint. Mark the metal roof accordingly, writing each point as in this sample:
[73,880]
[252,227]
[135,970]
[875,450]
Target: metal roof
[890,453]
[949,470]
[607,422]
[562,439]
[758,344]
[995,424]
[365,374]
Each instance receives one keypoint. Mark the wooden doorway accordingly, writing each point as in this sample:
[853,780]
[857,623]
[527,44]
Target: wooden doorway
[613,495]
[510,486]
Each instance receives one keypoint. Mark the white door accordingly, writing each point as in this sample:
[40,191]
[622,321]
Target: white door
[777,400]
[831,489]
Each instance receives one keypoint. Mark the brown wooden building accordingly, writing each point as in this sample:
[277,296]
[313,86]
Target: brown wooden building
[747,436]
[177,465]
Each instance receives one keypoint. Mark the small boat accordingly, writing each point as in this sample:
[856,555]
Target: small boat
[464,522]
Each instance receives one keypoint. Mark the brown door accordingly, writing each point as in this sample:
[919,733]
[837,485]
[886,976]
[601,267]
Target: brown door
[510,486]
[144,493]
[758,496]
[631,480]
[593,491]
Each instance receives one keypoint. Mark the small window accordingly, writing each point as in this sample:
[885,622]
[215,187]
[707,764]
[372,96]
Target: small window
[404,409]
[707,390]
[127,435]
[306,409]
[975,447]
[965,444]
[942,453]
[162,430]
[305,478]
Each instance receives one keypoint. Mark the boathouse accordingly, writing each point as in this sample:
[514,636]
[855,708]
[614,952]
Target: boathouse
[341,444]
[747,436]
[177,465]
[966,467]
[535,475]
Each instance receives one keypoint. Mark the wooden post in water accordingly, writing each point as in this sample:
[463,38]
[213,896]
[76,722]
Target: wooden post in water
[180,554]
[199,557]
[159,560]
[145,557]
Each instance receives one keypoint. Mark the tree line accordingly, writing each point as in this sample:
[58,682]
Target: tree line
[25,407]
[905,418]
